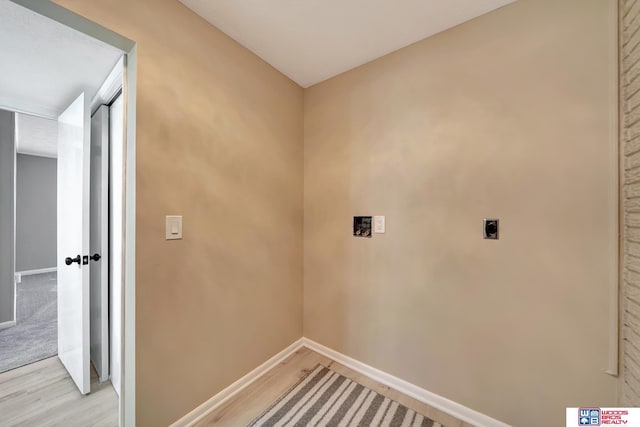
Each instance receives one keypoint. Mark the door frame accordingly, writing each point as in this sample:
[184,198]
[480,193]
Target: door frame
[127,409]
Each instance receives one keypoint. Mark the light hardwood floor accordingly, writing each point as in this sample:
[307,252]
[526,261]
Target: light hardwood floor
[42,394]
[249,403]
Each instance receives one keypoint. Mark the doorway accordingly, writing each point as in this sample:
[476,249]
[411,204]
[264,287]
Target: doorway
[34,336]
[20,80]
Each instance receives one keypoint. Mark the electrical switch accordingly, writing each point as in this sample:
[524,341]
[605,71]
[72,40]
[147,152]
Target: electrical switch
[173,228]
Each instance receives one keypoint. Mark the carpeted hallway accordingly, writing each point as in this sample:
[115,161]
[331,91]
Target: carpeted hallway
[35,335]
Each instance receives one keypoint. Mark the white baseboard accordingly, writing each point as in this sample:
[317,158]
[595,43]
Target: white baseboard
[450,407]
[5,325]
[219,399]
[38,271]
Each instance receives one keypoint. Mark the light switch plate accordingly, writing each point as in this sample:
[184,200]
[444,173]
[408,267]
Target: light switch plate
[379,225]
[173,228]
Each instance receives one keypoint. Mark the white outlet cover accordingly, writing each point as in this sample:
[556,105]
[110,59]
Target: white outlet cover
[379,225]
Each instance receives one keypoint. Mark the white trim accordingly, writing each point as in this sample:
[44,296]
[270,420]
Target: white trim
[5,325]
[15,210]
[38,271]
[37,153]
[219,399]
[73,20]
[452,408]
[128,312]
[110,88]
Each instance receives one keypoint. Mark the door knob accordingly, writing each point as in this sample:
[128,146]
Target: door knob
[95,257]
[70,261]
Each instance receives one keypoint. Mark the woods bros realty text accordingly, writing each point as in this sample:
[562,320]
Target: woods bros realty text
[593,416]
[614,417]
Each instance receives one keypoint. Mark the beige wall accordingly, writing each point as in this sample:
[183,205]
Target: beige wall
[630,99]
[505,116]
[219,141]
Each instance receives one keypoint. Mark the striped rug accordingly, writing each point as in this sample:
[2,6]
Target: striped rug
[326,398]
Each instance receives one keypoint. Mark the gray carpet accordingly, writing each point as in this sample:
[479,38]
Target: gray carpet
[35,336]
[326,398]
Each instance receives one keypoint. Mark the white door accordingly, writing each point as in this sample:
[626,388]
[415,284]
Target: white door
[73,241]
[99,242]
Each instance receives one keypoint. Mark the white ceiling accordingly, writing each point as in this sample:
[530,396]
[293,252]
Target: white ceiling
[313,40]
[36,136]
[45,65]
